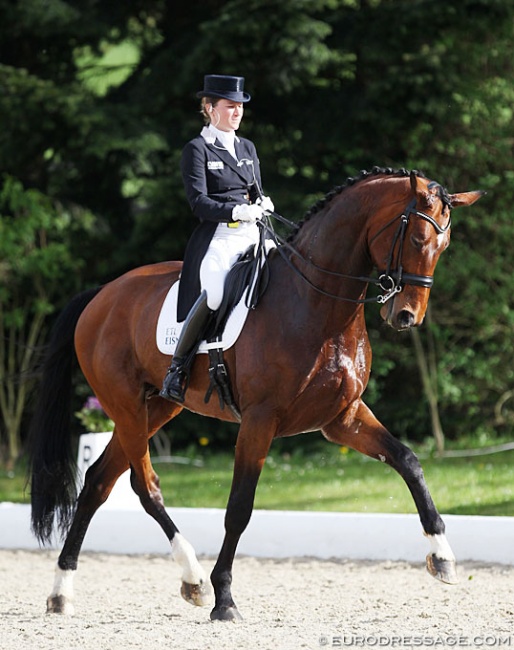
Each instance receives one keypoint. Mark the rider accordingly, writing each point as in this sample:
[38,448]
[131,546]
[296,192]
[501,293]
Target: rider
[222,180]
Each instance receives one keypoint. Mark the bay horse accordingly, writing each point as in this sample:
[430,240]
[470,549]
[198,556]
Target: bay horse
[301,364]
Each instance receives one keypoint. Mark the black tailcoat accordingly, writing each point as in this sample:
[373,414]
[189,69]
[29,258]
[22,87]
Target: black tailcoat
[215,183]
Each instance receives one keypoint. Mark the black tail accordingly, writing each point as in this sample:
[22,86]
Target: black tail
[52,466]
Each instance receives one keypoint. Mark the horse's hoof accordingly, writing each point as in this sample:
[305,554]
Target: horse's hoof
[59,605]
[444,570]
[226,614]
[198,595]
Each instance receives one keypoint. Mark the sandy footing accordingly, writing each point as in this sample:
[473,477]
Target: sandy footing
[124,602]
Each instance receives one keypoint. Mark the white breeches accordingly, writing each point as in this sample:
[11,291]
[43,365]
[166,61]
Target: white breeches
[224,249]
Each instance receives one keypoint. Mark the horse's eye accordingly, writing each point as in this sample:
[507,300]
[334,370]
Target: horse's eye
[418,242]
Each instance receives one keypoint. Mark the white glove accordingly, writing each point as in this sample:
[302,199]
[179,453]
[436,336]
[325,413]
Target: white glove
[248,213]
[266,204]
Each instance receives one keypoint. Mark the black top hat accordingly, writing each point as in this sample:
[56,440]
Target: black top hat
[225,87]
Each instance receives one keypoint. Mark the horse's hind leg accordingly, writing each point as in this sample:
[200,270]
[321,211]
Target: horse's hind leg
[145,482]
[151,416]
[364,433]
[99,481]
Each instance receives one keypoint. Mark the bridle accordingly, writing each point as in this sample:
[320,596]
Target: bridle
[391,280]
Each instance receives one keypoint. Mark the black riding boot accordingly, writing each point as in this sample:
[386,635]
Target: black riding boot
[177,377]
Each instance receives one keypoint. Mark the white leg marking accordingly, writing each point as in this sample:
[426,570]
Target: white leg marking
[440,548]
[63,589]
[183,553]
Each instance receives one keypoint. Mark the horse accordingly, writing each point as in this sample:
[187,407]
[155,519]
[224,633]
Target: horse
[301,364]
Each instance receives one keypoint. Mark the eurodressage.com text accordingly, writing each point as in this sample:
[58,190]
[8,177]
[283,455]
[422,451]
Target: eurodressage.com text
[416,641]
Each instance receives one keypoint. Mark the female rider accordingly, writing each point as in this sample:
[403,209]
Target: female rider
[222,180]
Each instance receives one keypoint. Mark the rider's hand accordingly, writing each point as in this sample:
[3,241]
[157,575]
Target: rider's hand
[266,204]
[248,213]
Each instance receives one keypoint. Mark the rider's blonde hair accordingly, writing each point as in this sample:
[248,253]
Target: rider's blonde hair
[203,107]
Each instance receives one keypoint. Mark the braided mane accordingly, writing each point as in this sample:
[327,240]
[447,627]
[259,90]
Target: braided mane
[351,180]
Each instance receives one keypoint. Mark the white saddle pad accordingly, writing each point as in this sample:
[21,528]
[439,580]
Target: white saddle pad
[168,330]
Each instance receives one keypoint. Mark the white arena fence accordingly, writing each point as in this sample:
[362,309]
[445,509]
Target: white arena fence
[122,526]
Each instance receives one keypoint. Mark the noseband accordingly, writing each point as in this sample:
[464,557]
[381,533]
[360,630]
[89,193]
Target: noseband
[392,280]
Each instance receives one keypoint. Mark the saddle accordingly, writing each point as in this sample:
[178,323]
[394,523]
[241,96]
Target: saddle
[244,286]
[246,281]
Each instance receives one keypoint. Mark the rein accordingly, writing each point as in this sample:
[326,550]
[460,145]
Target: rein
[390,281]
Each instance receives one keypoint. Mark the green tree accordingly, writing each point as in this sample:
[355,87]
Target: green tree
[98,99]
[36,264]
[451,86]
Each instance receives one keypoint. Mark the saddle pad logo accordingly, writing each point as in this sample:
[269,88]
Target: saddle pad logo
[215,164]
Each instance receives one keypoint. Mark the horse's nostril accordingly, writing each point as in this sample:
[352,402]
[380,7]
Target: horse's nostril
[405,319]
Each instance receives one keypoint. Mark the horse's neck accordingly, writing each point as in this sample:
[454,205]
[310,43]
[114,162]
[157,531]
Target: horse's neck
[335,238]
[335,242]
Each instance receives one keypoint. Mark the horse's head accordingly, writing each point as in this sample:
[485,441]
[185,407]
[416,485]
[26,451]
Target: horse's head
[406,249]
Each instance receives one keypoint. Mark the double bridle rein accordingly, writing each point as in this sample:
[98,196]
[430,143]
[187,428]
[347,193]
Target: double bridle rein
[391,280]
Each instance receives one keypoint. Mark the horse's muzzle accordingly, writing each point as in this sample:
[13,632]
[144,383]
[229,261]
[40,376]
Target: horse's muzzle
[400,320]
[404,320]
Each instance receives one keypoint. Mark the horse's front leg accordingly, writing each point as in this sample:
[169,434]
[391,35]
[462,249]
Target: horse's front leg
[252,447]
[359,429]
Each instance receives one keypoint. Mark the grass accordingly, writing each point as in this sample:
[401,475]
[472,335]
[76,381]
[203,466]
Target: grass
[332,479]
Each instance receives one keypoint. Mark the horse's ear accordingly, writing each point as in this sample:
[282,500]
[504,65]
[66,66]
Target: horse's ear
[465,198]
[413,182]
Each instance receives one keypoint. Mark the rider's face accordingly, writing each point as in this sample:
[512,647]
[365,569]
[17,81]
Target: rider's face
[227,115]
